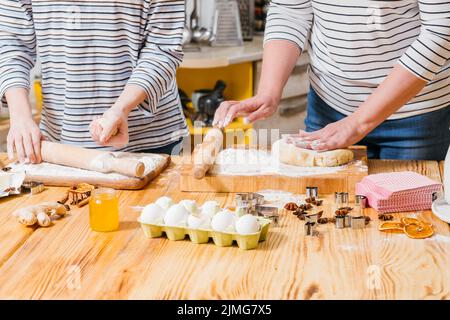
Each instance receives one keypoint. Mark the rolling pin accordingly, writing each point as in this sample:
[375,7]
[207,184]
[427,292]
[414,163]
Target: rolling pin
[205,153]
[90,159]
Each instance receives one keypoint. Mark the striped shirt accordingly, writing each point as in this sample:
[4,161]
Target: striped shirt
[354,44]
[89,51]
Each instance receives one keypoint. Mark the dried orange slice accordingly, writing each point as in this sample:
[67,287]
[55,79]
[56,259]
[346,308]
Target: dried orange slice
[391,226]
[406,221]
[419,231]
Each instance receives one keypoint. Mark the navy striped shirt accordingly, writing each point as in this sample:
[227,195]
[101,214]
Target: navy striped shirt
[354,44]
[89,51]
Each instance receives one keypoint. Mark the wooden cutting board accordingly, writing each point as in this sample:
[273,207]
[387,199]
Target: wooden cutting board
[46,174]
[340,181]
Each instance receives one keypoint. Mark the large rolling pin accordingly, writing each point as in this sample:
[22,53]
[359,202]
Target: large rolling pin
[205,153]
[90,159]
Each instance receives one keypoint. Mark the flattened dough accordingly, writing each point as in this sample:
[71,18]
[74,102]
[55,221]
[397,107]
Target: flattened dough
[289,154]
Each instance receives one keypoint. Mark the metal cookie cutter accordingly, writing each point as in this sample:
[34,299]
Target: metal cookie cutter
[340,222]
[347,221]
[32,187]
[310,229]
[341,199]
[358,222]
[247,202]
[268,213]
[361,201]
[312,192]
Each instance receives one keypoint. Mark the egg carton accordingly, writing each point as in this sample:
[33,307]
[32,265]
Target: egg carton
[198,236]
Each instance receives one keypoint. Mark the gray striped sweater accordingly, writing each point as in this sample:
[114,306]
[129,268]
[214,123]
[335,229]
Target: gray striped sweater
[354,44]
[89,51]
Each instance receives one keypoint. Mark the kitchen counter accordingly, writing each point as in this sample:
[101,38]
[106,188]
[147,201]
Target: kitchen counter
[69,261]
[215,57]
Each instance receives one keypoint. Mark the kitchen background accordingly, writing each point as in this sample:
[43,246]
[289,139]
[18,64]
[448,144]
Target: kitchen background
[223,45]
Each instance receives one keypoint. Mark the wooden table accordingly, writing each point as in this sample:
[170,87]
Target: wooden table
[69,261]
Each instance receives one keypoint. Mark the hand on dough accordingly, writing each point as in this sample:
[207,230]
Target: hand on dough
[110,130]
[337,135]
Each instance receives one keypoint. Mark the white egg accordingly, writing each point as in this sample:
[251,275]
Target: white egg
[224,221]
[247,224]
[152,214]
[176,216]
[199,222]
[210,208]
[165,202]
[190,206]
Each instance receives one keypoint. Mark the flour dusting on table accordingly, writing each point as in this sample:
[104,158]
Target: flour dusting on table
[252,162]
[53,170]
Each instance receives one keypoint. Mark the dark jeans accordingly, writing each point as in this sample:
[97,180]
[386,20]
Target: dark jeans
[173,149]
[422,137]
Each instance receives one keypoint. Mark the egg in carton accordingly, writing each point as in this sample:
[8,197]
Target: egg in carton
[177,223]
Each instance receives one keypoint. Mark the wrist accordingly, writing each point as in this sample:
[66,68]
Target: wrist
[364,125]
[120,110]
[271,93]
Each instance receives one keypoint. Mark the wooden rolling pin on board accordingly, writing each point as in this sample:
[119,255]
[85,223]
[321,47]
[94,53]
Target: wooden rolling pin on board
[205,153]
[90,159]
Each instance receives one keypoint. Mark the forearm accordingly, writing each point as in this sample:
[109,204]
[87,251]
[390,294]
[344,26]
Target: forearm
[279,59]
[18,103]
[399,87]
[131,97]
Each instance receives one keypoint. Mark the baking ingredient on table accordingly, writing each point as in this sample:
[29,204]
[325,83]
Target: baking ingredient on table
[199,222]
[289,153]
[205,154]
[412,227]
[209,221]
[152,214]
[254,162]
[210,208]
[247,224]
[165,202]
[104,210]
[40,214]
[191,206]
[398,191]
[78,195]
[176,216]
[224,221]
[90,159]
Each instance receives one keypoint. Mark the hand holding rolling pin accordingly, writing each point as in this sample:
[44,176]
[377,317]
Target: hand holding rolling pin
[111,129]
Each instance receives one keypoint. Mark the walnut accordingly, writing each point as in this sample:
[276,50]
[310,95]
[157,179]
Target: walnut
[291,206]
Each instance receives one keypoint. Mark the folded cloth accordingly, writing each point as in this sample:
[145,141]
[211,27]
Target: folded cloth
[398,191]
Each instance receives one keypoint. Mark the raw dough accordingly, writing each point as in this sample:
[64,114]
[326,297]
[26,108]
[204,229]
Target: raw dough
[289,154]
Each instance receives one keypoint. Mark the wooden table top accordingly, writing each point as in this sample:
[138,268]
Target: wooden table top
[69,261]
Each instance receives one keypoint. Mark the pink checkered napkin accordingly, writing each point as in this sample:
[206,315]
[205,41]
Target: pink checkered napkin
[400,192]
[399,183]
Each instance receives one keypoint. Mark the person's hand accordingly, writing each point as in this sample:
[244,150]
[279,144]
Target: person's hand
[111,129]
[256,108]
[25,138]
[340,134]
